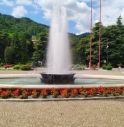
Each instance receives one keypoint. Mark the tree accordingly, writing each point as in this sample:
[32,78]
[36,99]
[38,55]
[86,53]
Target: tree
[95,42]
[9,55]
[113,36]
[40,48]
[119,22]
[82,51]
[4,41]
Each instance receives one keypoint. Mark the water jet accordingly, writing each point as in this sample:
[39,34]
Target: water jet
[58,53]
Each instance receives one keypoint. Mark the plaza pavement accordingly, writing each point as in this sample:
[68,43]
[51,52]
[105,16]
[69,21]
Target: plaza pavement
[114,72]
[93,113]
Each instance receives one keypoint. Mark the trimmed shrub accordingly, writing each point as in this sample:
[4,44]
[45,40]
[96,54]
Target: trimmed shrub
[79,67]
[104,67]
[25,67]
[17,67]
[107,67]
[1,64]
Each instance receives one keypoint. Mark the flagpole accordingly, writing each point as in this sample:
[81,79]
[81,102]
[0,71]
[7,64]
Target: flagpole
[99,57]
[90,63]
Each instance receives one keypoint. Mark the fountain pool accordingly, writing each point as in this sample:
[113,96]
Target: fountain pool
[78,81]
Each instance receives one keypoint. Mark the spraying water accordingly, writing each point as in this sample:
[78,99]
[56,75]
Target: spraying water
[58,52]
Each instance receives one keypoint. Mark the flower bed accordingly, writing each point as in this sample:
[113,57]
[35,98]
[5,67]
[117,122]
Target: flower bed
[24,93]
[7,66]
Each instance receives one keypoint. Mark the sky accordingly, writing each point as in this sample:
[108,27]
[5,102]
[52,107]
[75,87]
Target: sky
[78,11]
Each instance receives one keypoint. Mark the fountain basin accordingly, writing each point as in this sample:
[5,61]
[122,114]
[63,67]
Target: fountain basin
[57,78]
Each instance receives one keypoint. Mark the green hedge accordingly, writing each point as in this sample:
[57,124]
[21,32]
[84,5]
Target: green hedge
[107,67]
[17,67]
[24,67]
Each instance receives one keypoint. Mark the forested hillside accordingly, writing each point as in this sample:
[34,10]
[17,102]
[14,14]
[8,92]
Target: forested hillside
[23,40]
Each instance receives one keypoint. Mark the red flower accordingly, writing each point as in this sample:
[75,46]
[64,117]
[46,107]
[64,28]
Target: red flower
[0,91]
[64,92]
[16,92]
[90,91]
[118,90]
[7,66]
[100,90]
[5,93]
[44,93]
[74,92]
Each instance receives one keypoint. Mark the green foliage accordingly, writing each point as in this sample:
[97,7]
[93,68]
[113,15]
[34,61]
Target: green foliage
[1,64]
[112,45]
[107,67]
[79,67]
[40,48]
[23,26]
[17,67]
[119,22]
[9,55]
[17,33]
[23,40]
[113,36]
[81,50]
[26,67]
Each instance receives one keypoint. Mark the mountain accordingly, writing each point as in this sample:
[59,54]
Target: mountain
[26,26]
[83,35]
[21,25]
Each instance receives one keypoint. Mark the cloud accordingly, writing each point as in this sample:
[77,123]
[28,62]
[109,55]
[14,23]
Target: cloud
[111,10]
[7,3]
[77,11]
[24,2]
[29,3]
[19,11]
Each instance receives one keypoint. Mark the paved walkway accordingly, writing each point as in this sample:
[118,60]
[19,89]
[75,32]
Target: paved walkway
[104,113]
[95,72]
[114,72]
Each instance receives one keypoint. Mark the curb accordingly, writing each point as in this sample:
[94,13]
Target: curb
[61,99]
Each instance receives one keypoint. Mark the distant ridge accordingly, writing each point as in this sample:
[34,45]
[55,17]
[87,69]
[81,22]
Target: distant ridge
[25,25]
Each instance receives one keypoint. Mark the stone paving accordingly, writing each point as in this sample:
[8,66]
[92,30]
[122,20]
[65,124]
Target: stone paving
[94,72]
[78,73]
[100,113]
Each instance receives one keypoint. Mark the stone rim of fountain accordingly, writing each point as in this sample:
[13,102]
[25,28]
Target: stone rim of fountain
[49,78]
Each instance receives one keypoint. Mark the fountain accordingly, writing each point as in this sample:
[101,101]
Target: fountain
[58,53]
